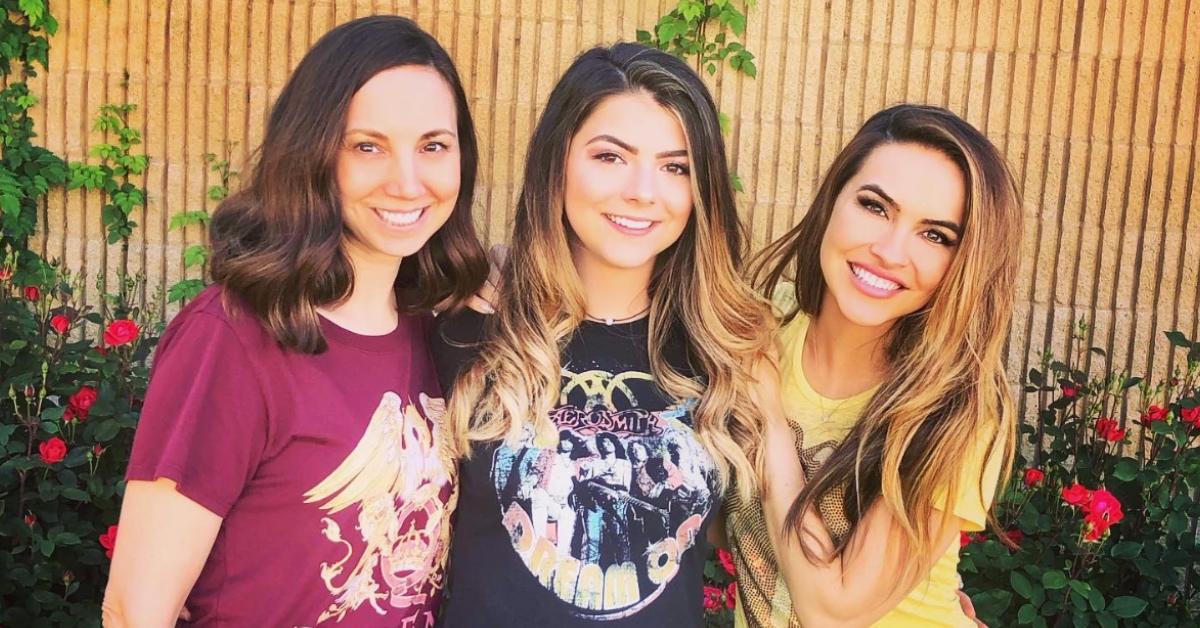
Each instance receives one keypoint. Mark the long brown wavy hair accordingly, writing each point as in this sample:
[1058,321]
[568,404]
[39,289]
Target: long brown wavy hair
[695,290]
[278,243]
[946,383]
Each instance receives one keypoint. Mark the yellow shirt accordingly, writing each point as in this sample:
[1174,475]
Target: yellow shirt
[820,425]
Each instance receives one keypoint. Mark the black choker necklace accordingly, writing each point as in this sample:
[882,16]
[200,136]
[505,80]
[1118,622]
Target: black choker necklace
[617,321]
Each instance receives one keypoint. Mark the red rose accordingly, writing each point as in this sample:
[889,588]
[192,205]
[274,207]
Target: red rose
[1152,414]
[30,520]
[32,293]
[60,323]
[1095,528]
[1107,429]
[101,349]
[727,562]
[1034,476]
[1069,391]
[712,598]
[1016,536]
[1076,495]
[108,540]
[6,273]
[69,415]
[964,539]
[1106,505]
[53,451]
[120,332]
[81,402]
[731,595]
[98,451]
[1190,415]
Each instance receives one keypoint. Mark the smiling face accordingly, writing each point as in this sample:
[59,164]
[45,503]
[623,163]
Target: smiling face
[628,190]
[892,234]
[398,168]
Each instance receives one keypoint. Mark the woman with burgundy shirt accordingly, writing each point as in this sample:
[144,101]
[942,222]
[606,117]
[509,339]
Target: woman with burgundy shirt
[288,469]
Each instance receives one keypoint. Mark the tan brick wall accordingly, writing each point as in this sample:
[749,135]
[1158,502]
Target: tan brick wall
[1094,102]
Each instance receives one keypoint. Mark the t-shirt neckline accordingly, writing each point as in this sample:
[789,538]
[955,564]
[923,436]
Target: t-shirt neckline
[336,334]
[857,400]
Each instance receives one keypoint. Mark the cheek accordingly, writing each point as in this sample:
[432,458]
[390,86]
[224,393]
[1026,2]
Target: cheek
[677,198]
[443,178]
[358,178]
[932,267]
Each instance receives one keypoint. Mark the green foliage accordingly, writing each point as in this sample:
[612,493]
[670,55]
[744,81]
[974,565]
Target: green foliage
[1067,566]
[112,176]
[196,255]
[683,33]
[67,405]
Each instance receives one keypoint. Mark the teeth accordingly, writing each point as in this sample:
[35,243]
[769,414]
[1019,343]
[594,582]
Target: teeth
[875,281]
[630,223]
[400,219]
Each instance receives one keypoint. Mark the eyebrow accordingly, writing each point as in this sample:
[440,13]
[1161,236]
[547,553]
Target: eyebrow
[426,135]
[603,137]
[946,224]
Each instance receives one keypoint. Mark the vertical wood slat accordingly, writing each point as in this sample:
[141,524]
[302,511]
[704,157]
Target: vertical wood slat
[1094,103]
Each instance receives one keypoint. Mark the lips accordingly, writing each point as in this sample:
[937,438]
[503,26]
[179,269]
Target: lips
[400,218]
[635,226]
[873,282]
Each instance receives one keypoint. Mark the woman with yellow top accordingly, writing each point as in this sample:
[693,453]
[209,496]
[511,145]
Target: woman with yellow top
[896,420]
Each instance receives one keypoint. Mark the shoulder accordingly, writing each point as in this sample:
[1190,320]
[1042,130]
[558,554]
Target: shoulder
[216,316]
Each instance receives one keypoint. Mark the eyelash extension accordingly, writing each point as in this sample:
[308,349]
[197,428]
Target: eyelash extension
[872,205]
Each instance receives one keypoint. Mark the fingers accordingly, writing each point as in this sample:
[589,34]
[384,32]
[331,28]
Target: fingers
[968,607]
[480,305]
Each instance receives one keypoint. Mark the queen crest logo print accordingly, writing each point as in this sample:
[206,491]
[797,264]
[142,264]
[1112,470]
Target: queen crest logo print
[603,517]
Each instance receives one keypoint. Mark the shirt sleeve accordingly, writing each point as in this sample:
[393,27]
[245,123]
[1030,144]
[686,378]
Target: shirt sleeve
[204,422]
[977,483]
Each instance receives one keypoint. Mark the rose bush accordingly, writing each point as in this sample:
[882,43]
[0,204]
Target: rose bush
[66,428]
[1100,516]
[720,588]
[71,378]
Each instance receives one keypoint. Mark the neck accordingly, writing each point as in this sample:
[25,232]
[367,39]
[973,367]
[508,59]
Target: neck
[836,350]
[371,307]
[611,292]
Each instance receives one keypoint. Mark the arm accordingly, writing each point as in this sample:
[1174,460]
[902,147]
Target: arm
[164,541]
[865,582]
[717,536]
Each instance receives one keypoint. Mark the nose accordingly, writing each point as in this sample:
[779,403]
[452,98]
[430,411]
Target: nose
[891,247]
[640,188]
[404,177]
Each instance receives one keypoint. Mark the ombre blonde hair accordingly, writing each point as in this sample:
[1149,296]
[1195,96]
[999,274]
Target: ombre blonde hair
[946,384]
[695,291]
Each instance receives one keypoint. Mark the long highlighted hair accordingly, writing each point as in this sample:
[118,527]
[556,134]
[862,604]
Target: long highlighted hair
[946,384]
[696,290]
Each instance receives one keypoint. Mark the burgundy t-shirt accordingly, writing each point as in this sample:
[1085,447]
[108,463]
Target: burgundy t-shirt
[334,492]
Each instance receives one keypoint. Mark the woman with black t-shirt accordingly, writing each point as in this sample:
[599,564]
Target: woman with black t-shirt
[603,409]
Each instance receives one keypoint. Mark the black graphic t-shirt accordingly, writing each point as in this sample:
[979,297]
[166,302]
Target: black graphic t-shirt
[604,526]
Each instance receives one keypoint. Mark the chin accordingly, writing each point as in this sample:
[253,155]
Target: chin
[626,260]
[865,314]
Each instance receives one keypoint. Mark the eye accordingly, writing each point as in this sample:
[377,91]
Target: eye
[678,169]
[367,147]
[872,206]
[937,237]
[608,158]
[435,147]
